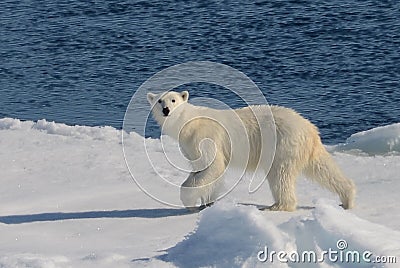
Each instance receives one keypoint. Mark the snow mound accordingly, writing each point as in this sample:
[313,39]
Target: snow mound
[227,235]
[97,133]
[376,141]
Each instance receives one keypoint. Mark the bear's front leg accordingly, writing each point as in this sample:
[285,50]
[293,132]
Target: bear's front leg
[189,192]
[193,191]
[202,187]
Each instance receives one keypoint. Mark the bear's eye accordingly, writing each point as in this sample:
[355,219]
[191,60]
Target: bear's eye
[173,100]
[159,101]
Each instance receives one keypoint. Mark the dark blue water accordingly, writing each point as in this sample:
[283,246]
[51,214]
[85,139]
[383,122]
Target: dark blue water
[79,62]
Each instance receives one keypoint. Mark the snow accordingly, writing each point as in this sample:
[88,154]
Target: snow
[67,199]
[216,229]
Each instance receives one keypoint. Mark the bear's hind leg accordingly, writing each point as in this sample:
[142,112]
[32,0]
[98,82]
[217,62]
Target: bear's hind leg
[326,172]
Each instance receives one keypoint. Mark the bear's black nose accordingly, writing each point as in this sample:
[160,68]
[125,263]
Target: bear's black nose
[165,111]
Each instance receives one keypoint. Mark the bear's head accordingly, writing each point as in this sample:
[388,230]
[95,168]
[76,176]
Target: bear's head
[164,104]
[167,108]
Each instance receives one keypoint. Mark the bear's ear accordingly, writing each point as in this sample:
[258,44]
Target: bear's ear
[151,97]
[185,95]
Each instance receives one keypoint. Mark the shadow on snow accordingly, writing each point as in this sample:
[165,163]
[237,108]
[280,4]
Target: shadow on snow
[58,216]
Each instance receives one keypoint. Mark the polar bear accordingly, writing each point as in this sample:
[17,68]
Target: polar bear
[214,139]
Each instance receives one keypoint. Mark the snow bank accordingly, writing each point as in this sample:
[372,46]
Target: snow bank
[376,141]
[98,133]
[380,140]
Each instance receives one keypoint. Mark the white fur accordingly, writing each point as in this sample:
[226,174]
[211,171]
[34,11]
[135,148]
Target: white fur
[215,139]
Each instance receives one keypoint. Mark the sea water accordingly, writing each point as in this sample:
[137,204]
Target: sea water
[79,62]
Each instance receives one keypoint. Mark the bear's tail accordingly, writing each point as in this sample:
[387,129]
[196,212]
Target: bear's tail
[322,169]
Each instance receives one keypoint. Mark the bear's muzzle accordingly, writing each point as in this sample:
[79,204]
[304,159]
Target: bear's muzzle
[165,111]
